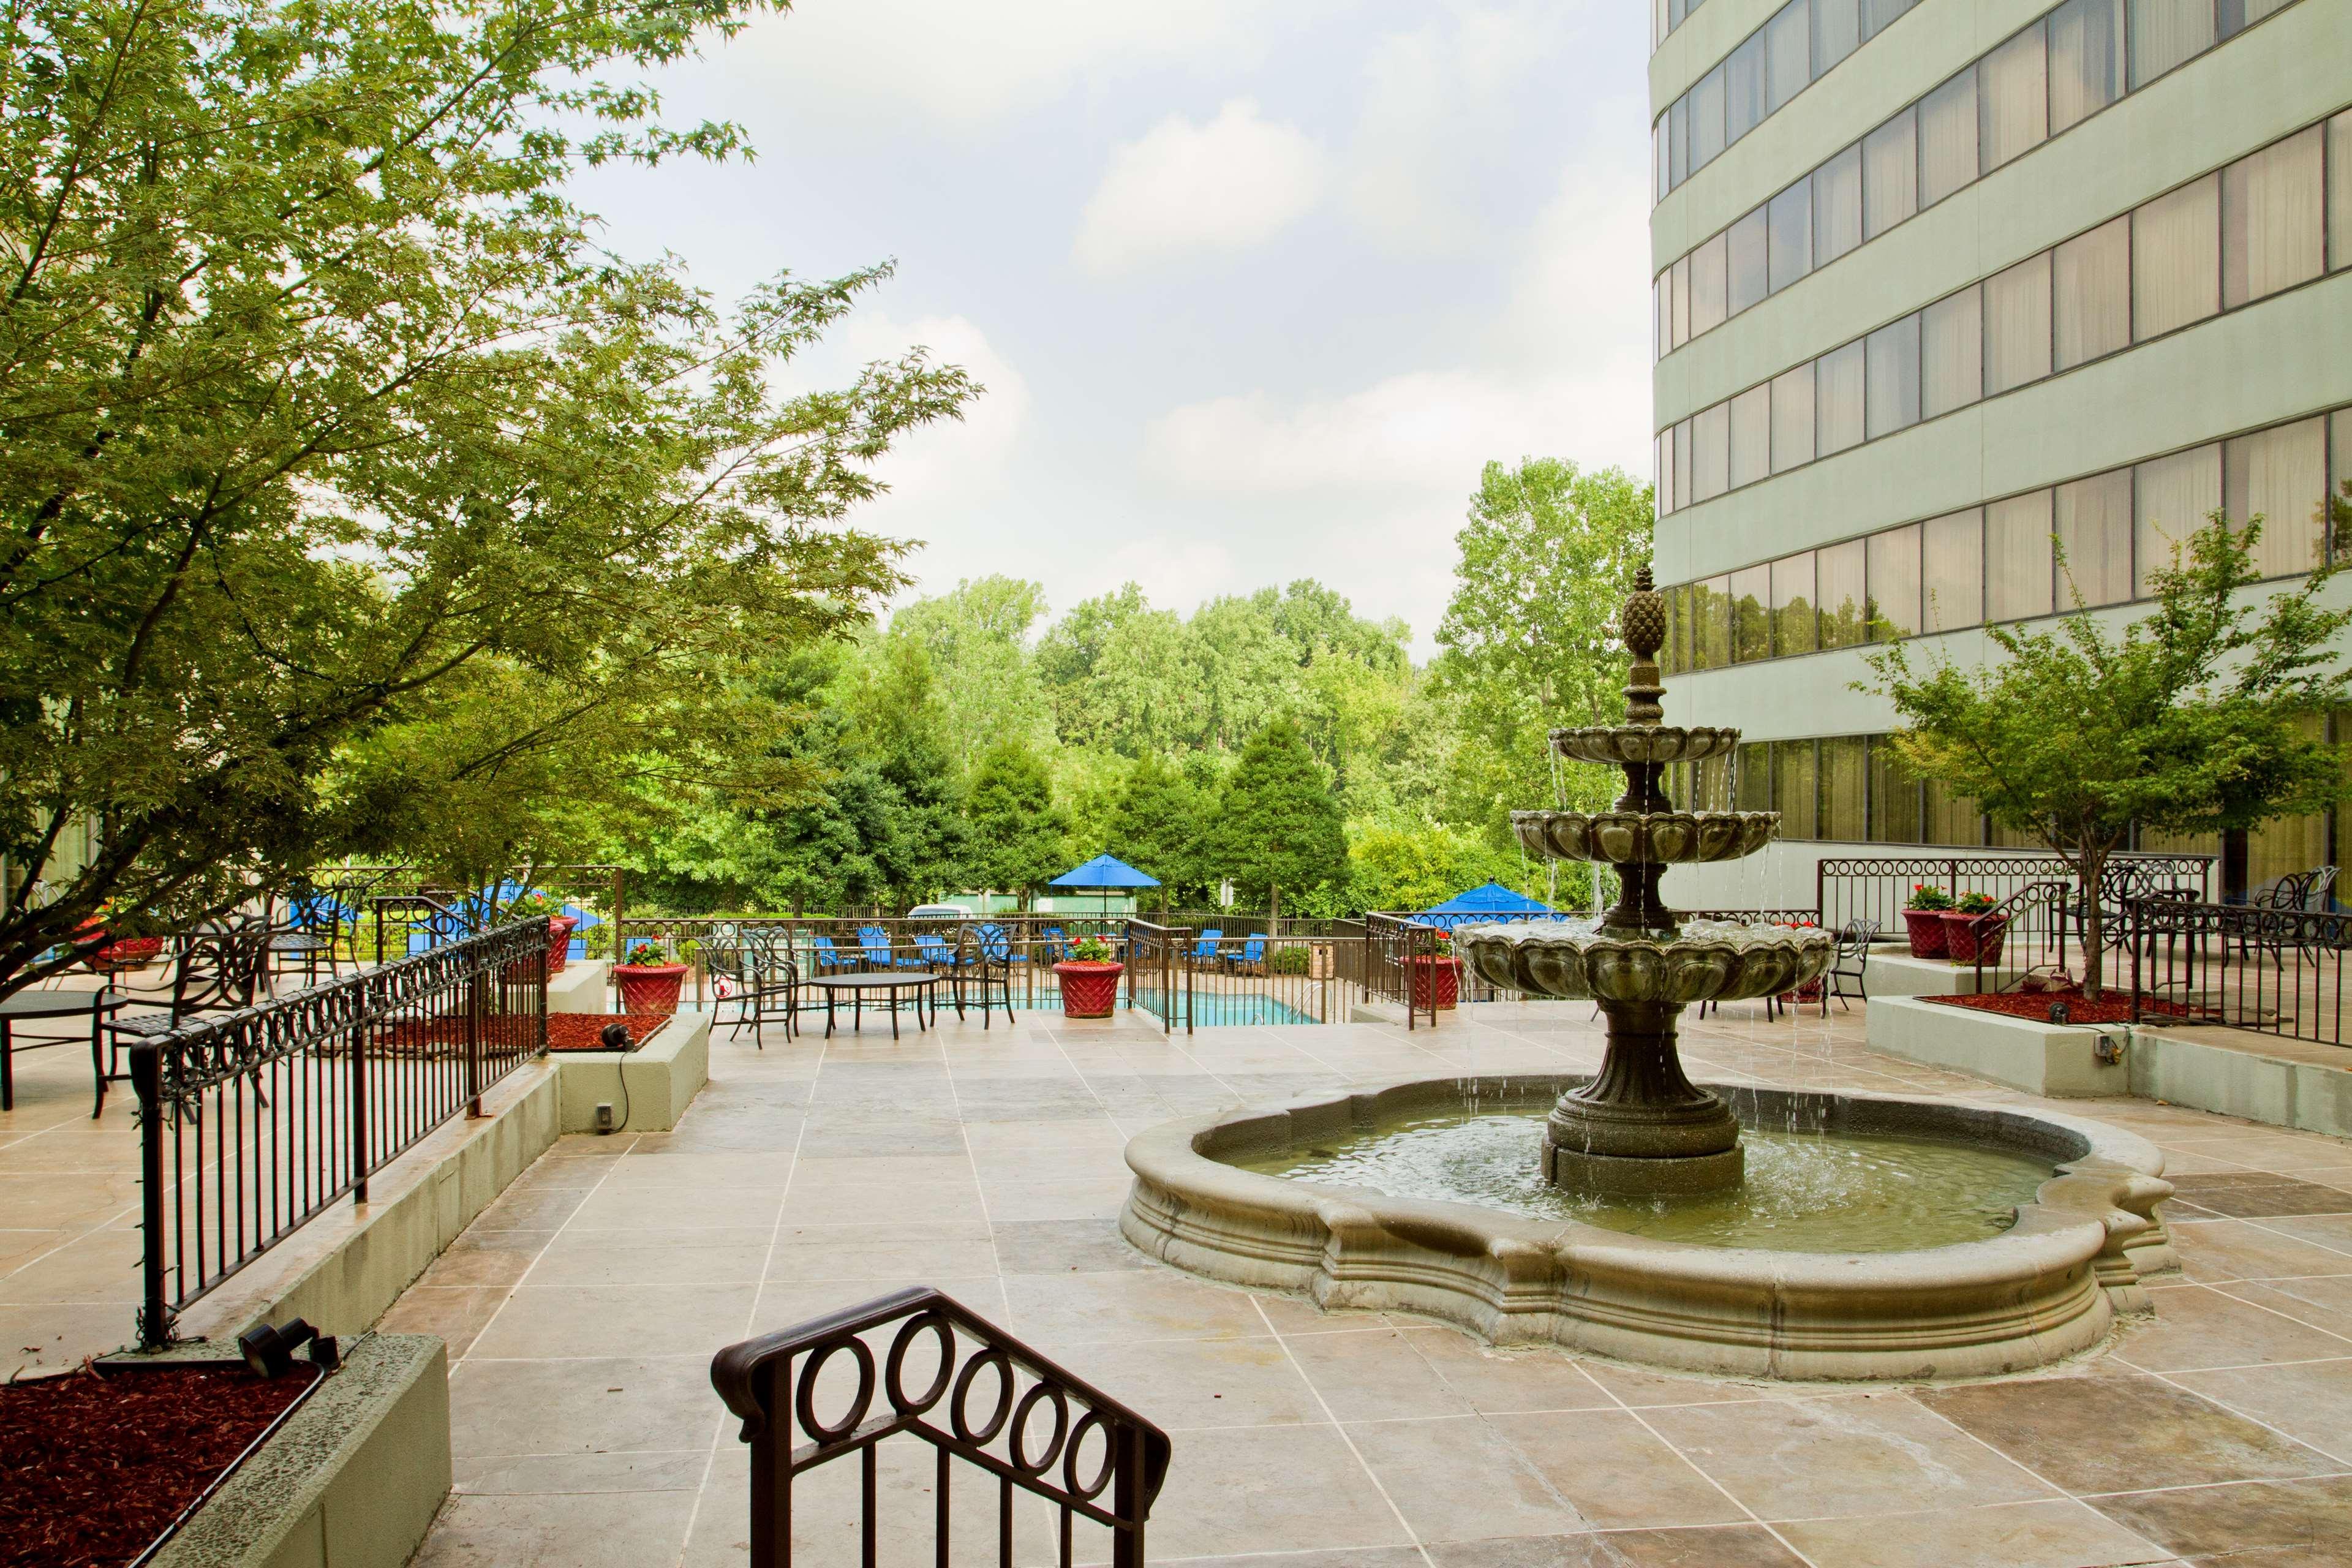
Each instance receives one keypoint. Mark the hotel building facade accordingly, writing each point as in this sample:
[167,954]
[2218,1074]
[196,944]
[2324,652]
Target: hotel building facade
[1938,281]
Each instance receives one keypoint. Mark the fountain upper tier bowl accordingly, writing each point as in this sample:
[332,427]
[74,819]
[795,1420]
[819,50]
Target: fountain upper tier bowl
[1710,961]
[1645,837]
[1644,743]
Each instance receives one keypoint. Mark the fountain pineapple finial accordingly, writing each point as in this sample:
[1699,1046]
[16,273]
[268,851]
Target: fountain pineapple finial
[1643,624]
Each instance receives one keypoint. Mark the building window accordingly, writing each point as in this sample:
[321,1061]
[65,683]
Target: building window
[1894,794]
[1752,768]
[2339,191]
[1837,28]
[1952,819]
[1683,467]
[1837,205]
[2094,291]
[2014,97]
[1845,773]
[1787,48]
[1743,89]
[1837,399]
[1711,622]
[1707,119]
[1750,276]
[1792,418]
[2017,557]
[2086,60]
[1665,473]
[2280,476]
[2166,32]
[1674,658]
[2177,258]
[1951,353]
[1711,452]
[2170,500]
[1678,301]
[1947,138]
[1678,165]
[1894,378]
[2017,326]
[1952,570]
[1789,223]
[1752,436]
[1709,284]
[2340,445]
[1840,597]
[1893,560]
[1877,15]
[1793,629]
[2094,518]
[2272,219]
[1751,614]
[1890,175]
[1793,794]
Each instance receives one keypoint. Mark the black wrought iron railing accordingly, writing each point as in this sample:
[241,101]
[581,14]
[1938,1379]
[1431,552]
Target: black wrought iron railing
[1876,887]
[1405,963]
[920,1364]
[2277,972]
[252,1122]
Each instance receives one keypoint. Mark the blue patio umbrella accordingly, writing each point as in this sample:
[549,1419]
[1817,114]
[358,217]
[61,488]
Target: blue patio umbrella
[1104,874]
[1491,902]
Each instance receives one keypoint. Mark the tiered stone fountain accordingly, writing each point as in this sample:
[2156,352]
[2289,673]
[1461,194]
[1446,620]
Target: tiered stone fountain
[1641,1126]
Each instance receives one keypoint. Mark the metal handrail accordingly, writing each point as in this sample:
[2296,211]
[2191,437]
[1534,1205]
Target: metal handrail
[775,1399]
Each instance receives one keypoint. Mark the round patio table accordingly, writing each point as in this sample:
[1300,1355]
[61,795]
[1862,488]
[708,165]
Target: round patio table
[921,982]
[52,1005]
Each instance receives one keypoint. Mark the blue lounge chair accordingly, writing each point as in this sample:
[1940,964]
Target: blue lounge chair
[1057,943]
[1206,949]
[1251,956]
[932,952]
[873,947]
[829,959]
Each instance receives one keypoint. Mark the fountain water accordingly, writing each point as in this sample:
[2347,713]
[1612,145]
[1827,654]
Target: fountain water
[1641,1126]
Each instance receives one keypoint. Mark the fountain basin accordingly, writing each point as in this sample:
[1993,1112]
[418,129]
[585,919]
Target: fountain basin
[1658,743]
[1709,961]
[2048,1287]
[1645,837]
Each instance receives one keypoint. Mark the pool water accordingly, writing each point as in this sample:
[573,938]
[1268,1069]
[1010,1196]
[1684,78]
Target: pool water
[1211,1010]
[1804,1191]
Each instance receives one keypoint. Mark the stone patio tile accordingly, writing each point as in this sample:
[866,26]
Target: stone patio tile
[897,1253]
[1499,1381]
[611,1530]
[2226,1249]
[1091,1245]
[18,1247]
[861,1133]
[1061,1098]
[1123,1307]
[1459,1479]
[1069,1198]
[721,1256]
[456,1314]
[2061,1533]
[938,1189]
[1186,1384]
[738,1129]
[2309,1402]
[1708,1546]
[99,1266]
[668,1166]
[827,1513]
[39,1201]
[56,1335]
[2233,1198]
[786,1304]
[1615,1472]
[531,1206]
[2313,1518]
[1377,1376]
[614,1319]
[2198,1326]
[1269,1489]
[1362,1557]
[1641,1389]
[614,1405]
[487,1257]
[1812,1459]
[2118,1433]
[2322,1303]
[522,1474]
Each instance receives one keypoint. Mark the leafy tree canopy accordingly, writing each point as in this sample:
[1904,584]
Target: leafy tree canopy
[1279,823]
[1020,838]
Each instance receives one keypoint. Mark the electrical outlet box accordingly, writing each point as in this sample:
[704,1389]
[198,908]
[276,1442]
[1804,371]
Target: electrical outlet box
[605,1116]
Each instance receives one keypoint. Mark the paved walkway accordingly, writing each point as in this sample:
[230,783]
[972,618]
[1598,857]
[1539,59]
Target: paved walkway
[582,1309]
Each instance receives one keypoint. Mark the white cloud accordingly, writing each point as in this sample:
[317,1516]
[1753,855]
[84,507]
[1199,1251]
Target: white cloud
[1582,283]
[932,469]
[1227,185]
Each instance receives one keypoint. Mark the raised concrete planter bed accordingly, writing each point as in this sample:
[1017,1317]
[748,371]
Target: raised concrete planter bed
[352,1481]
[2047,1289]
[648,1088]
[1892,971]
[584,986]
[2058,1060]
[2287,1083]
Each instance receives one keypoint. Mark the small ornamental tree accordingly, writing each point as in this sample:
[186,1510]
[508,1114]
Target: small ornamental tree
[1161,826]
[2196,719]
[1018,838]
[1282,827]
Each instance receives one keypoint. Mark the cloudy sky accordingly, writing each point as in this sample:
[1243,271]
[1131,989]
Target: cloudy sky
[1255,286]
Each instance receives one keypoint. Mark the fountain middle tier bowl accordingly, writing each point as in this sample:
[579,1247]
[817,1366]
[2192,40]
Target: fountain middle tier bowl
[1623,743]
[1710,961]
[2045,1286]
[1645,837]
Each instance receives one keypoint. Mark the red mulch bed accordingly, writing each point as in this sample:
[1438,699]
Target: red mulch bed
[579,1031]
[2113,1007]
[93,1468]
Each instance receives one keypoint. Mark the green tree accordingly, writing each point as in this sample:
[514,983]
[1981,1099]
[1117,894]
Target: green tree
[319,392]
[2196,719]
[1400,868]
[977,641]
[1019,839]
[1280,825]
[1162,826]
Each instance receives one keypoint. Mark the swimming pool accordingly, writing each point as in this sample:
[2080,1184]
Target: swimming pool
[1212,1009]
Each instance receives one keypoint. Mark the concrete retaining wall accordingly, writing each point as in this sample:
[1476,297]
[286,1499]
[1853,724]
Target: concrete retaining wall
[584,986]
[2261,1086]
[649,1087]
[2040,1058]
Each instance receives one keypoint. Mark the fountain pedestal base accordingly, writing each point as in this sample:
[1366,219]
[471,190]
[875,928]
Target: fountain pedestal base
[1640,1127]
[1621,1177]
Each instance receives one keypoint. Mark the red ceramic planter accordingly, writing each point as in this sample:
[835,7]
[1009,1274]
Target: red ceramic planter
[1927,929]
[1436,983]
[1972,939]
[649,988]
[1088,989]
[559,940]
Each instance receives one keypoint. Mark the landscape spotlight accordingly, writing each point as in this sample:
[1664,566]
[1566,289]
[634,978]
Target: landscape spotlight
[269,1352]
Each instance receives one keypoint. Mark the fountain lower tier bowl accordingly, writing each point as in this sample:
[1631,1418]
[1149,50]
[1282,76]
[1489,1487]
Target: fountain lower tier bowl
[2045,1288]
[1661,743]
[1709,961]
[1645,837]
